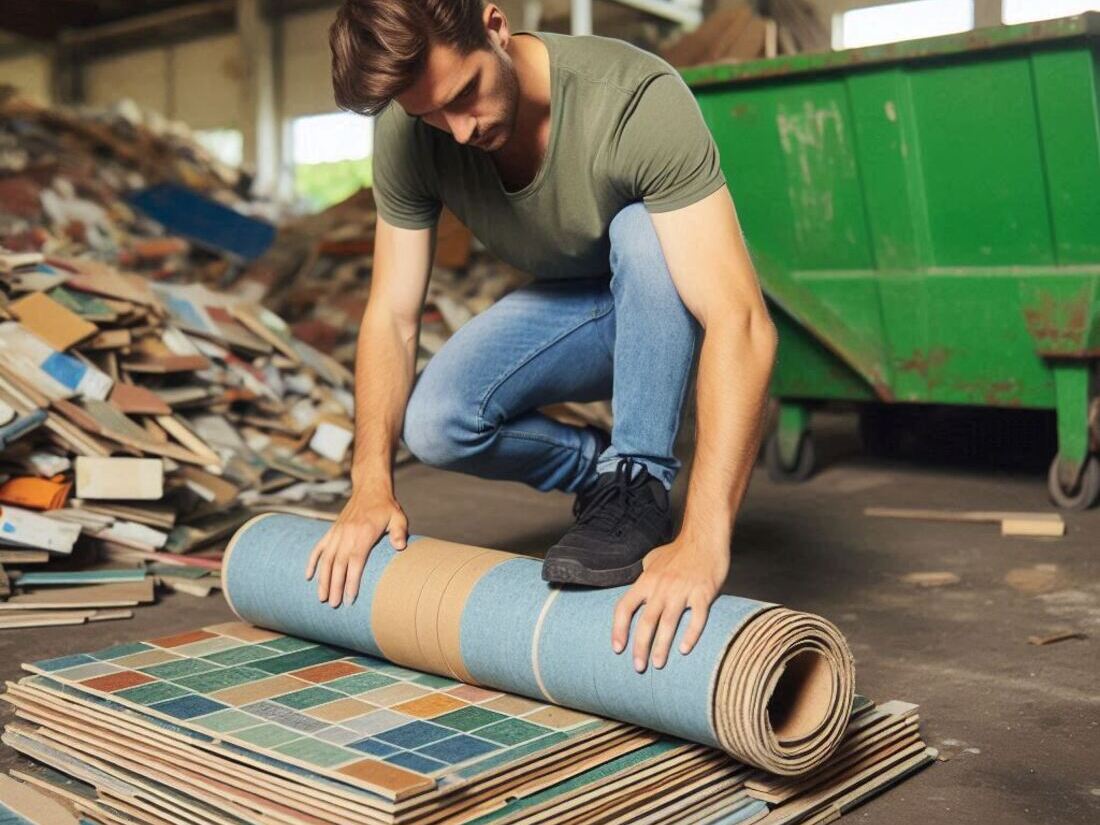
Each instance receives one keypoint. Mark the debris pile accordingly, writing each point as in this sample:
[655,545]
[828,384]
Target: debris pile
[141,422]
[67,177]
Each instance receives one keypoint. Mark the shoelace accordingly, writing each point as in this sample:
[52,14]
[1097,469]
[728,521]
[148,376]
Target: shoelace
[607,506]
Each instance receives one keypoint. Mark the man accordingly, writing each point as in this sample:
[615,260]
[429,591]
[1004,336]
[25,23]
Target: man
[585,162]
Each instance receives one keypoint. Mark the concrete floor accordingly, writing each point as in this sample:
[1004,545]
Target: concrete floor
[1021,724]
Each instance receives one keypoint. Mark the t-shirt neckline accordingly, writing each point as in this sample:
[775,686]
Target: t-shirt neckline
[555,122]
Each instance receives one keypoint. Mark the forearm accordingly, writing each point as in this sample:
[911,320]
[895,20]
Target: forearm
[385,367]
[735,366]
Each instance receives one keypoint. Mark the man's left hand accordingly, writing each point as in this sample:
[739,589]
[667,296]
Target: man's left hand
[686,574]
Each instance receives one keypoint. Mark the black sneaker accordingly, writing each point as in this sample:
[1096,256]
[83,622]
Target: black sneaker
[619,520]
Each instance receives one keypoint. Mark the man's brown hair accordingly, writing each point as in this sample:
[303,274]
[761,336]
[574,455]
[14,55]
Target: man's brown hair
[379,47]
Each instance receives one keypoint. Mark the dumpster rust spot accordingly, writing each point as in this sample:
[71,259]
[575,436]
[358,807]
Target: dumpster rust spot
[1003,393]
[926,364]
[1059,323]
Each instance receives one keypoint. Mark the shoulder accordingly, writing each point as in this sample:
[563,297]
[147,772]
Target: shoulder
[394,128]
[608,61]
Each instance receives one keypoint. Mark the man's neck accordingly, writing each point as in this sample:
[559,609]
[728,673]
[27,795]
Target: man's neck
[528,143]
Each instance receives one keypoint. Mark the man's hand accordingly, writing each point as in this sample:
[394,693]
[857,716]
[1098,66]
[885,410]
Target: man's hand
[342,553]
[687,573]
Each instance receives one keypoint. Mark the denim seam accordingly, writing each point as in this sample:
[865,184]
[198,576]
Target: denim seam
[531,356]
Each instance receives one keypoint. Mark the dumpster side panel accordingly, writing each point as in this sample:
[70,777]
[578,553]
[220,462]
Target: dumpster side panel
[1066,97]
[982,163]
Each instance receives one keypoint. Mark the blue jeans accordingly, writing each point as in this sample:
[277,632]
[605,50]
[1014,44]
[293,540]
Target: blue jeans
[628,337]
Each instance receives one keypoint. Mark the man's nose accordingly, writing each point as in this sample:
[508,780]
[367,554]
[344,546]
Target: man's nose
[462,127]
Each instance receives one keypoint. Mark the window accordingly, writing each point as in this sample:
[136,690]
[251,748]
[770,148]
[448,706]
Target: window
[1028,11]
[902,21]
[227,145]
[331,156]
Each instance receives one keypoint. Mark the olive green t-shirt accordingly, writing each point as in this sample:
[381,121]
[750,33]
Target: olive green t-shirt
[624,127]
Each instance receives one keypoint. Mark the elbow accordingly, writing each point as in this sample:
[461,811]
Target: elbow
[751,332]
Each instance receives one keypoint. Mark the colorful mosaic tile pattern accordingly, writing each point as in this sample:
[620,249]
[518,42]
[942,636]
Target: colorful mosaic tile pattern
[319,707]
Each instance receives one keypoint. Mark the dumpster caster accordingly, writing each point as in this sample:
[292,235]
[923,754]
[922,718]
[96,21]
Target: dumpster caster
[803,468]
[1086,492]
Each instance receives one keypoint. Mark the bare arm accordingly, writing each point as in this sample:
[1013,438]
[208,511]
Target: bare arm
[714,276]
[385,365]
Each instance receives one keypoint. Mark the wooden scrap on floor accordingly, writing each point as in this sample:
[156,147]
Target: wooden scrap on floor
[1052,638]
[1012,523]
[119,478]
[124,594]
[931,579]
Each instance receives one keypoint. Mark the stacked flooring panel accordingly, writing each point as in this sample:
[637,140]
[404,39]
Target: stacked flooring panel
[234,724]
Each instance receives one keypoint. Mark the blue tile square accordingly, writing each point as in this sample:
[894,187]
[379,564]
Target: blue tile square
[188,707]
[458,749]
[414,762]
[374,747]
[415,734]
[64,662]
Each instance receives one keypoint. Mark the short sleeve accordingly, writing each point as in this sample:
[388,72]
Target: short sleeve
[401,167]
[665,155]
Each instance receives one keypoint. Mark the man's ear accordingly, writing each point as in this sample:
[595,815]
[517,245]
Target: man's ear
[496,24]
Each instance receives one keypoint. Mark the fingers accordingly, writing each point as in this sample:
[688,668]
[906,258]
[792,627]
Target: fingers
[399,530]
[318,550]
[644,632]
[324,565]
[355,576]
[624,612]
[700,608]
[666,631]
[336,582]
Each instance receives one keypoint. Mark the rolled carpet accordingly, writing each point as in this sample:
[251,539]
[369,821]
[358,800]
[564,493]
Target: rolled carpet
[770,686]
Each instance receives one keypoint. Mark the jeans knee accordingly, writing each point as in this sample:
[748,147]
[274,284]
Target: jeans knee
[435,430]
[636,251]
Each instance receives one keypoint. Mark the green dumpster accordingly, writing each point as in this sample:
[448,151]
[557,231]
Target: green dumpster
[925,220]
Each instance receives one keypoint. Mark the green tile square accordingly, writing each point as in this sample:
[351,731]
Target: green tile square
[307,698]
[288,644]
[227,721]
[222,678]
[150,693]
[118,651]
[511,731]
[360,683]
[179,668]
[267,735]
[241,655]
[297,660]
[434,682]
[397,670]
[469,718]
[320,754]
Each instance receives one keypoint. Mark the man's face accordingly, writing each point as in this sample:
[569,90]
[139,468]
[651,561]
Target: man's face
[473,96]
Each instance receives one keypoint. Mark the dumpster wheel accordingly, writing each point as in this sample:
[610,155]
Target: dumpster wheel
[1086,492]
[803,468]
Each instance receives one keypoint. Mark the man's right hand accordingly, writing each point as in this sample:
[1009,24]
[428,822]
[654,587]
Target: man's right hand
[341,554]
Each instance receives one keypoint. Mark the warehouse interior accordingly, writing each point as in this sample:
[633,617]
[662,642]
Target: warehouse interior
[187,235]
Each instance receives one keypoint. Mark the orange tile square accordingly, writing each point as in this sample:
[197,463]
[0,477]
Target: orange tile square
[243,631]
[255,691]
[473,694]
[428,706]
[339,710]
[328,671]
[387,777]
[181,638]
[117,681]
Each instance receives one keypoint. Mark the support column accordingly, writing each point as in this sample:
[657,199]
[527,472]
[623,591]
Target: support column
[259,110]
[580,17]
[987,13]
